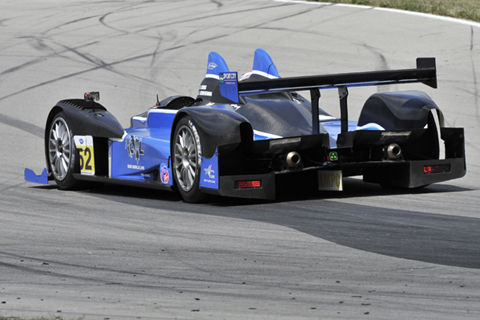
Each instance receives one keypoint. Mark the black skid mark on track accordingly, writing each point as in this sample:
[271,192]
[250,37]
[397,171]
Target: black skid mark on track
[22,125]
[432,238]
[100,64]
[68,23]
[88,58]
[215,15]
[156,51]
[381,64]
[240,30]
[218,3]
[102,21]
[41,269]
[39,44]
[81,72]
[22,66]
[474,72]
[129,8]
[414,235]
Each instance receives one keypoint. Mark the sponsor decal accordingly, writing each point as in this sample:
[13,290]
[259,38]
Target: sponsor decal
[209,177]
[228,76]
[330,180]
[203,87]
[210,173]
[205,93]
[212,65]
[228,86]
[164,175]
[135,167]
[134,147]
[147,176]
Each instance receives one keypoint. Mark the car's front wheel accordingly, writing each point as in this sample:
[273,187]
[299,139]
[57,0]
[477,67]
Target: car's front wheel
[186,155]
[61,152]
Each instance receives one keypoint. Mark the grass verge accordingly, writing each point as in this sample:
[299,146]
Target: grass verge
[463,9]
[38,318]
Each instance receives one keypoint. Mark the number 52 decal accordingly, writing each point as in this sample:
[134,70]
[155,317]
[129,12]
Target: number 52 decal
[84,145]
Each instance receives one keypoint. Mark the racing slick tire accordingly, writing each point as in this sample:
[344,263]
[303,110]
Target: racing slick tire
[61,153]
[186,159]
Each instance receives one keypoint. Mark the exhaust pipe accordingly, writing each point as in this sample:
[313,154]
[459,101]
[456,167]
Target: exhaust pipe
[394,151]
[293,159]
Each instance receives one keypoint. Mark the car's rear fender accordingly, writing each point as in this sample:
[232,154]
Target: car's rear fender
[216,127]
[398,110]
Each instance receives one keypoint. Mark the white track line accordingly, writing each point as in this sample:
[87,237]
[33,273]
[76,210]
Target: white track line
[424,15]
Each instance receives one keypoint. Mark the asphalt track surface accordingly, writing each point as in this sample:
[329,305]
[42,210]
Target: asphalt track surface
[124,253]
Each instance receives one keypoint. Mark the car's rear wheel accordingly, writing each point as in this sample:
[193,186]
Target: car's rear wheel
[186,155]
[61,152]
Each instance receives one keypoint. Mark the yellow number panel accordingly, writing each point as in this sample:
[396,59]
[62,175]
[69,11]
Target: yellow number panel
[84,145]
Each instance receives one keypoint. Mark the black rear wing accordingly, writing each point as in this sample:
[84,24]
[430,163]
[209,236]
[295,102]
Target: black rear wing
[425,72]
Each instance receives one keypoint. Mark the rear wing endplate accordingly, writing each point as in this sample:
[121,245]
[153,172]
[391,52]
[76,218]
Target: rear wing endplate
[425,73]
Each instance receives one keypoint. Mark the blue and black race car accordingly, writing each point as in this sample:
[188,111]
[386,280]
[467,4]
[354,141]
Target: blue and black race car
[255,135]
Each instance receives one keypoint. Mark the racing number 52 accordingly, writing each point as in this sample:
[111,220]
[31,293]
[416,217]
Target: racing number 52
[85,165]
[85,149]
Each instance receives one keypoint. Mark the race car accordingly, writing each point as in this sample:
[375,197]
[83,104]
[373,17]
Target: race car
[255,136]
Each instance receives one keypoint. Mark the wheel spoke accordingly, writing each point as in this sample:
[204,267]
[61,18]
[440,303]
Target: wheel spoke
[188,178]
[59,131]
[57,166]
[54,132]
[184,177]
[64,166]
[65,139]
[191,144]
[178,147]
[66,158]
[178,164]
[191,171]
[53,159]
[181,140]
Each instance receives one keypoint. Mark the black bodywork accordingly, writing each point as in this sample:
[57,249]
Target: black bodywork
[406,153]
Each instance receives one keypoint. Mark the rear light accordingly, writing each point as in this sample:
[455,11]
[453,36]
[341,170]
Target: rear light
[436,169]
[248,184]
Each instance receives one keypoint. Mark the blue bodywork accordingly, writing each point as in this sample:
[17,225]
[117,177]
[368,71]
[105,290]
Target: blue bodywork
[144,148]
[144,152]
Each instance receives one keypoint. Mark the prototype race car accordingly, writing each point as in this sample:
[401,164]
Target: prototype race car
[253,136]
